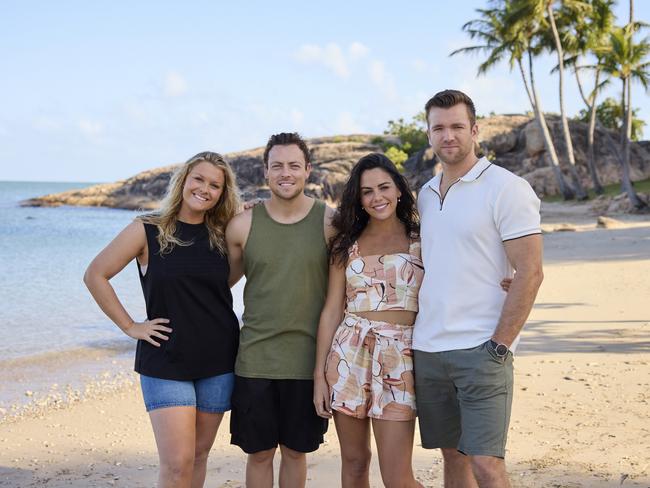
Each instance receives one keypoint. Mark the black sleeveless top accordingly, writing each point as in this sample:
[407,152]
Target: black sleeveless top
[188,286]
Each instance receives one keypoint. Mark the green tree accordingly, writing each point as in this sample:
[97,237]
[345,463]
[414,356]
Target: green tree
[586,36]
[412,135]
[539,17]
[626,60]
[611,115]
[397,156]
[501,38]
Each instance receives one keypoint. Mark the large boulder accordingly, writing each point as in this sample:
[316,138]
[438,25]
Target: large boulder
[534,139]
[543,181]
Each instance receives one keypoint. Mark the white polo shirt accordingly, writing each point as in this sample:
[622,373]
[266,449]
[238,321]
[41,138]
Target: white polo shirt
[464,258]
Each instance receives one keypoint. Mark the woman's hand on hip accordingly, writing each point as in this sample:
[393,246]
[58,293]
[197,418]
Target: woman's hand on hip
[148,330]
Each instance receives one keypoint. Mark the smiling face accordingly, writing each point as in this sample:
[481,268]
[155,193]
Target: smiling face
[379,194]
[451,134]
[203,188]
[287,171]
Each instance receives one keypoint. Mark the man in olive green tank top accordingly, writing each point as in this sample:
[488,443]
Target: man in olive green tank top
[281,248]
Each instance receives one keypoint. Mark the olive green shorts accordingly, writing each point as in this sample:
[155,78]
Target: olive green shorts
[463,399]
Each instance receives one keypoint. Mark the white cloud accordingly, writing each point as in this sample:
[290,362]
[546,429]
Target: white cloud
[91,128]
[175,85]
[381,78]
[309,53]
[332,56]
[419,65]
[356,51]
[493,93]
[346,124]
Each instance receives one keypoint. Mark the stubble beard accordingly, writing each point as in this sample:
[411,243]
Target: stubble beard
[285,197]
[458,158]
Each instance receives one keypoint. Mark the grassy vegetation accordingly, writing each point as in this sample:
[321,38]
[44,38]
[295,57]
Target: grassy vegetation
[642,186]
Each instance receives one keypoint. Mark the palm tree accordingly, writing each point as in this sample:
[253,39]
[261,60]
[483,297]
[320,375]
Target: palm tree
[540,15]
[583,36]
[627,60]
[501,39]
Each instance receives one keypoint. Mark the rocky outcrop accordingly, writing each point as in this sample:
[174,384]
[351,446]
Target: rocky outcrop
[332,158]
[511,141]
[516,143]
[616,205]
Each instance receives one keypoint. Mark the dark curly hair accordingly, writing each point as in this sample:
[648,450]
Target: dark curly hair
[350,218]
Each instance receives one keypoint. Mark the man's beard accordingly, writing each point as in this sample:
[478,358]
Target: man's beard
[285,197]
[455,159]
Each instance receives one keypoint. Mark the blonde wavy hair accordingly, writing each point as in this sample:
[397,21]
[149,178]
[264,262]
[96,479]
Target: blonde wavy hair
[216,218]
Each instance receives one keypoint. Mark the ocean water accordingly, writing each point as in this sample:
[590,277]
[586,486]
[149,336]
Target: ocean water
[52,331]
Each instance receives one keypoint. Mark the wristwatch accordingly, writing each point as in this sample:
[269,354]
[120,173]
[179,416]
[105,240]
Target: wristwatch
[501,350]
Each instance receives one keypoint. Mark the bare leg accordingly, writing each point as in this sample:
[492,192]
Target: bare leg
[354,439]
[490,471]
[259,469]
[395,449]
[458,470]
[293,468]
[207,425]
[174,429]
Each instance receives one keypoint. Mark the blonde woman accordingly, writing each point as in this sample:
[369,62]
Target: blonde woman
[186,348]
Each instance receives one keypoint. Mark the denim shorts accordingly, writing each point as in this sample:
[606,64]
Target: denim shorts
[211,395]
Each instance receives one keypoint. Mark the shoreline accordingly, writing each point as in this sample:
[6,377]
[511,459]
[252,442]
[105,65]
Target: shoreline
[582,392]
[52,380]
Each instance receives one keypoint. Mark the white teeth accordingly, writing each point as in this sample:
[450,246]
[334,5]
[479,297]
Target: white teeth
[200,198]
[381,207]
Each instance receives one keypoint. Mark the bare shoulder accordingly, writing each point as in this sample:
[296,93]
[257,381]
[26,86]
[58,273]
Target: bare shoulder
[327,222]
[239,226]
[135,231]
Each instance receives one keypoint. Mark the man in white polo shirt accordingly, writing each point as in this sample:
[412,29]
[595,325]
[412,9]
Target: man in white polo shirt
[479,224]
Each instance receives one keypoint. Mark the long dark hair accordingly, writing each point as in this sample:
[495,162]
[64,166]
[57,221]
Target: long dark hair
[350,219]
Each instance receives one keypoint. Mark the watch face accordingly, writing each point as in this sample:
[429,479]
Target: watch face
[501,350]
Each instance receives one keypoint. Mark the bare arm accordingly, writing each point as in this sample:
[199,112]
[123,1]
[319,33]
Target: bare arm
[525,255]
[236,236]
[330,318]
[129,244]
[328,229]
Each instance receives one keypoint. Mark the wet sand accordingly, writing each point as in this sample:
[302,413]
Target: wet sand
[580,414]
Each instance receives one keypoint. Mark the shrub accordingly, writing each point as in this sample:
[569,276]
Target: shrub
[397,156]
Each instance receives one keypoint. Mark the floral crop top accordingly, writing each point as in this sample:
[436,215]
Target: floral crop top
[384,282]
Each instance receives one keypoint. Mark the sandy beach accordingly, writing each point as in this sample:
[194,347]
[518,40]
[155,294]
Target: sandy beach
[580,415]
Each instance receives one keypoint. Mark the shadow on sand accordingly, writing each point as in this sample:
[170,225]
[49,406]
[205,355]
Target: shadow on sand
[546,336]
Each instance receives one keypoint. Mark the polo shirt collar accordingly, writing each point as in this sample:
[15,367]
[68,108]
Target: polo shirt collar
[476,171]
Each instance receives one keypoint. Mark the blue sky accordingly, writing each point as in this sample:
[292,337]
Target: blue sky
[98,91]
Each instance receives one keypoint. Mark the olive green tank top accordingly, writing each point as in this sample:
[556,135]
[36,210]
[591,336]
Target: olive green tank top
[286,270]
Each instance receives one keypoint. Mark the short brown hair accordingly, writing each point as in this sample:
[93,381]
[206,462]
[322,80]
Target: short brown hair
[448,99]
[286,139]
